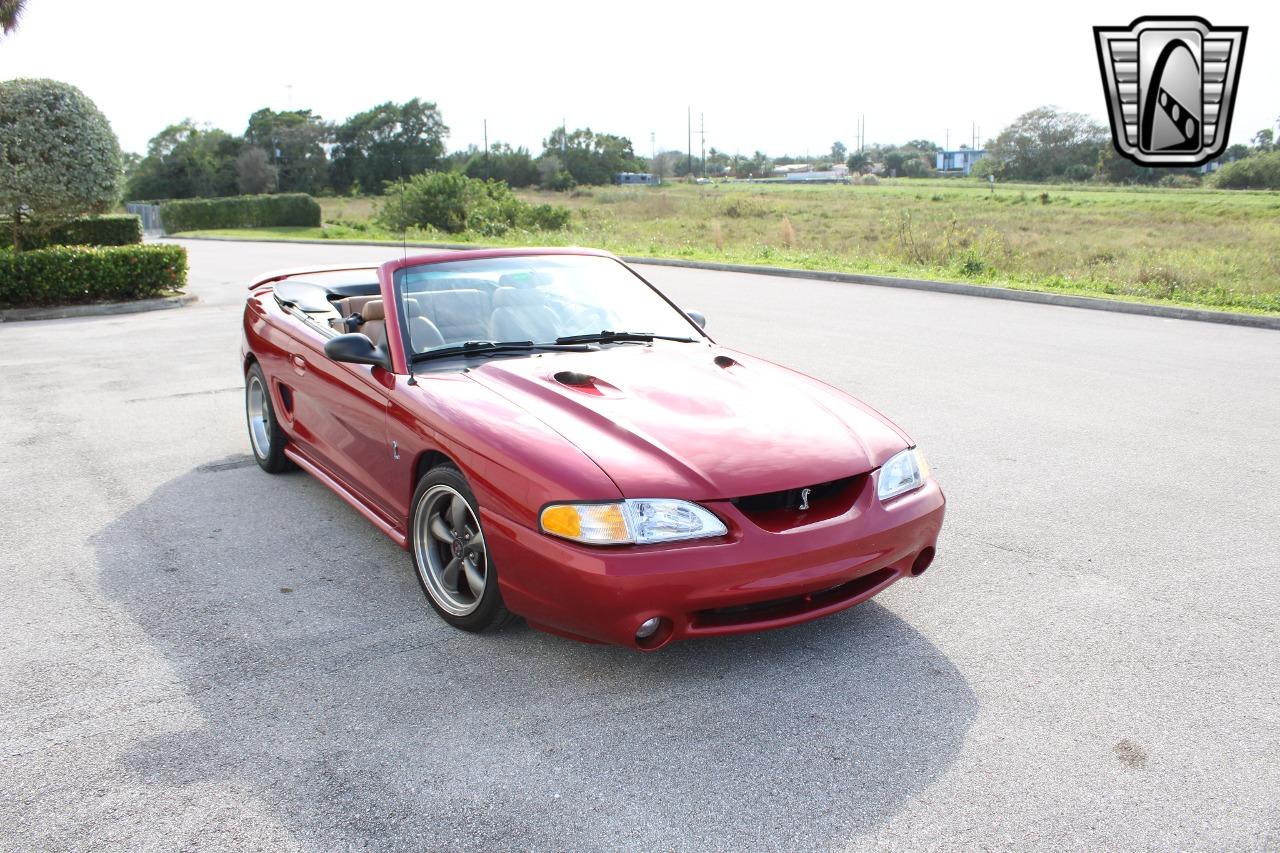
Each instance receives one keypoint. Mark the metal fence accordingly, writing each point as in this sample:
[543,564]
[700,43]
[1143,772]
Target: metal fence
[150,215]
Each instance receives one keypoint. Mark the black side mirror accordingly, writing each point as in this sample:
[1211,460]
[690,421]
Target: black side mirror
[698,317]
[355,348]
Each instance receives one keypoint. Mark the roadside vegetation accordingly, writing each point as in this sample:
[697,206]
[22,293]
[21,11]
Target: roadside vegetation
[1207,248]
[63,171]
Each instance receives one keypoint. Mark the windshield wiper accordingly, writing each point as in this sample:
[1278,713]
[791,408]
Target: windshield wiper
[607,337]
[470,348]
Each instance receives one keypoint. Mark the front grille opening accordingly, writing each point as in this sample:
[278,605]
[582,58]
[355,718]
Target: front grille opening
[781,510]
[783,608]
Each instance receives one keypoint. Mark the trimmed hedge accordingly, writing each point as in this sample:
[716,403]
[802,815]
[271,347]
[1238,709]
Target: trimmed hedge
[245,211]
[122,229]
[66,275]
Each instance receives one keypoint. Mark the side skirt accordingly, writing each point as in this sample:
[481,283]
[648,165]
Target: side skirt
[374,517]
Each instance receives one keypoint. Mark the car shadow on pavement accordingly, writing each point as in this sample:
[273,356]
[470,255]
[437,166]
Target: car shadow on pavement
[332,695]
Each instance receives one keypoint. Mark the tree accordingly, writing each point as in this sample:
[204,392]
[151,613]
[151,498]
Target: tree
[254,172]
[1264,140]
[552,174]
[10,12]
[857,161]
[592,158]
[186,161]
[294,141]
[838,151]
[386,143]
[755,166]
[1235,152]
[58,155]
[924,146]
[503,163]
[1044,142]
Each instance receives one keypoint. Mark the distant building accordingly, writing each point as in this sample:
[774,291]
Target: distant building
[636,178]
[959,161]
[802,172]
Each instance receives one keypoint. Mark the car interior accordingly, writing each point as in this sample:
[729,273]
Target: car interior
[441,310]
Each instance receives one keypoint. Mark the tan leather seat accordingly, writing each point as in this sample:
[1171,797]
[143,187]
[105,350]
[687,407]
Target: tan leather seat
[458,315]
[348,306]
[522,315]
[375,322]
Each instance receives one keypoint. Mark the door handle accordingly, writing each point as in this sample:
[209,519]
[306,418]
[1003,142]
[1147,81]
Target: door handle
[299,365]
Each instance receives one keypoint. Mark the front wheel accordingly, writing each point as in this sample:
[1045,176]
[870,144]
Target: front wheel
[450,553]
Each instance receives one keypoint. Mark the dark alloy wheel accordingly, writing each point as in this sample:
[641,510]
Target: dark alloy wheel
[450,553]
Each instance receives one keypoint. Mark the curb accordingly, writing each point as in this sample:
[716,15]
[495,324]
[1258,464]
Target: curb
[63,312]
[1040,297]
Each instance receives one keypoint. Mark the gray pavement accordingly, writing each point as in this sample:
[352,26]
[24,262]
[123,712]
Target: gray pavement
[194,654]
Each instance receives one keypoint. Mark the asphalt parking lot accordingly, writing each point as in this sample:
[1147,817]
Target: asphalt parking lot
[194,654]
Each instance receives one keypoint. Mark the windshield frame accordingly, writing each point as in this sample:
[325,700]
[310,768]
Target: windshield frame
[394,272]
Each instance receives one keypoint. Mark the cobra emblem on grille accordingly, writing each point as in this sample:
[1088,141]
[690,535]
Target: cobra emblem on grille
[804,498]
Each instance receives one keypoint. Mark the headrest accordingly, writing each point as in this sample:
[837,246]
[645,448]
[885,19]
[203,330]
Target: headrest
[508,297]
[372,310]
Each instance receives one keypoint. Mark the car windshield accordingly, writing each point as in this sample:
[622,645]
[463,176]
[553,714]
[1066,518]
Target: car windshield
[537,298]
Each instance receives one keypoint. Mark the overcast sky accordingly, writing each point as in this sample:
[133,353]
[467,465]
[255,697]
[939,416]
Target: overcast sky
[784,79]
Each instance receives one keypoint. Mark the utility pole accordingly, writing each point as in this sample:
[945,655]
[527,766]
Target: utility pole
[946,146]
[689,125]
[702,122]
[289,87]
[486,149]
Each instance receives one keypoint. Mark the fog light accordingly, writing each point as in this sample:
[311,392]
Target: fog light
[648,628]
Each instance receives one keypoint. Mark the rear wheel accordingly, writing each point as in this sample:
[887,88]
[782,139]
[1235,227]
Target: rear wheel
[450,553]
[266,438]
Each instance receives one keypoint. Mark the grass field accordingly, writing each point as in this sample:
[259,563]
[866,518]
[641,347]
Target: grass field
[1217,249]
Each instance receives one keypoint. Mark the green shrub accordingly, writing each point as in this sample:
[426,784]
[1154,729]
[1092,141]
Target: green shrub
[246,211]
[112,230]
[454,203]
[1257,171]
[1180,180]
[547,217]
[66,275]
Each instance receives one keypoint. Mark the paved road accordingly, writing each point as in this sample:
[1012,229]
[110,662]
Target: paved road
[195,654]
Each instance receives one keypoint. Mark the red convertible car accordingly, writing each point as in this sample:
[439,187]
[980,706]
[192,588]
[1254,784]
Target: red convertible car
[549,436]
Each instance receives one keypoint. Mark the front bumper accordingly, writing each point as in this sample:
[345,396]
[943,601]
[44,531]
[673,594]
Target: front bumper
[751,579]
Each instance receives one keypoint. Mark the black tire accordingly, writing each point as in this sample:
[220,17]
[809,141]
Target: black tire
[457,603]
[268,444]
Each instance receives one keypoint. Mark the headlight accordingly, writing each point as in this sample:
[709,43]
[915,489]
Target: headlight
[905,471]
[639,521]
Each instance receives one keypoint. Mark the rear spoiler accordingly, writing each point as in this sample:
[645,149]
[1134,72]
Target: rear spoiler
[290,273]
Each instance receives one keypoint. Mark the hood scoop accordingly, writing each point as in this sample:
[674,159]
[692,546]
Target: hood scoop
[585,383]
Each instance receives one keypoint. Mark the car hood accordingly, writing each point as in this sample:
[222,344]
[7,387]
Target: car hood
[695,422]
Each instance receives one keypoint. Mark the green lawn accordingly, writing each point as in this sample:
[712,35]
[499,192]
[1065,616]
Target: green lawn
[1218,249]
